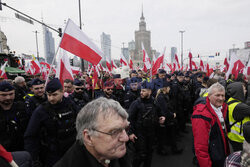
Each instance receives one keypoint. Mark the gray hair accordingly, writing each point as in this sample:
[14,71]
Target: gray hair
[216,86]
[245,158]
[19,79]
[87,117]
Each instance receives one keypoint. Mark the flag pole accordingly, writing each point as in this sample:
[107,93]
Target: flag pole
[56,54]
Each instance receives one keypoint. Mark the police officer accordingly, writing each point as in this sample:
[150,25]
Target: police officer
[158,82]
[143,117]
[118,90]
[132,94]
[166,130]
[13,119]
[51,129]
[108,90]
[79,96]
[39,97]
[132,75]
[177,94]
[188,104]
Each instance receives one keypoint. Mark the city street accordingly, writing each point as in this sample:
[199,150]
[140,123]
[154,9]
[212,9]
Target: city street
[182,160]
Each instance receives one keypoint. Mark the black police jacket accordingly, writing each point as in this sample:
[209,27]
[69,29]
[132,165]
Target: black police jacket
[80,99]
[51,127]
[130,97]
[164,103]
[32,103]
[177,94]
[143,116]
[78,156]
[13,123]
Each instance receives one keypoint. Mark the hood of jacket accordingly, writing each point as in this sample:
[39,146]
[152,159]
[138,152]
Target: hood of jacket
[235,90]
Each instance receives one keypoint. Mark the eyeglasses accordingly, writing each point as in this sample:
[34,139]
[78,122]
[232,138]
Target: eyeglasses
[79,88]
[114,133]
[109,89]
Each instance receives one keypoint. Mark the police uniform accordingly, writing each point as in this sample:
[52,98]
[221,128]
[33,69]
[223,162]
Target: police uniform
[177,94]
[13,123]
[168,130]
[158,82]
[33,102]
[131,95]
[80,99]
[143,118]
[51,130]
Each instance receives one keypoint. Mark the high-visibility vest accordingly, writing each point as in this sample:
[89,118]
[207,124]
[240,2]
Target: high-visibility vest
[236,133]
[29,94]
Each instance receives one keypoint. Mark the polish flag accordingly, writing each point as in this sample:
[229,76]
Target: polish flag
[36,66]
[108,64]
[45,64]
[177,62]
[194,66]
[226,63]
[64,70]
[130,63]
[247,69]
[113,64]
[146,60]
[76,42]
[190,60]
[123,61]
[2,71]
[235,66]
[201,65]
[170,67]
[154,60]
[158,63]
[30,69]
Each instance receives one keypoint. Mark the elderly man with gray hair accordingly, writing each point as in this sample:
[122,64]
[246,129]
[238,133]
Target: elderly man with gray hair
[20,87]
[101,136]
[209,130]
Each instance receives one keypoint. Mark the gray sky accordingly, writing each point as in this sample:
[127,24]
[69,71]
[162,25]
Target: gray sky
[211,25]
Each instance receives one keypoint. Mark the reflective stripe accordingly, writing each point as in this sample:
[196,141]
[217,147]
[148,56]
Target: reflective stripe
[236,130]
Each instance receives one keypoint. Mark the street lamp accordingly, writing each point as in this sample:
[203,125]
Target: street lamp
[182,31]
[80,22]
[37,53]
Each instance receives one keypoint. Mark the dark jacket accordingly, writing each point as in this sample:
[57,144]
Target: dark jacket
[78,156]
[210,142]
[241,110]
[51,129]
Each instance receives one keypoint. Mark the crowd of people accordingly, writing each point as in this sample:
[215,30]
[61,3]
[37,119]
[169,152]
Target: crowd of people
[116,121]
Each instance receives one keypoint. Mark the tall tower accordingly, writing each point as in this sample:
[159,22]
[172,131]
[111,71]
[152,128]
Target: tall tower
[106,46]
[142,36]
[49,45]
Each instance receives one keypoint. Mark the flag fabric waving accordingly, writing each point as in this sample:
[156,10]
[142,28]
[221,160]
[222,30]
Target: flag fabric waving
[64,70]
[123,61]
[146,60]
[130,63]
[177,64]
[202,68]
[158,63]
[76,42]
[226,63]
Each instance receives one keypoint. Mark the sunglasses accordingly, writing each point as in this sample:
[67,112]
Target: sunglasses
[79,88]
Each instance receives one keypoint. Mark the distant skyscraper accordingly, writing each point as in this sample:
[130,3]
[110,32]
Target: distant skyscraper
[49,45]
[142,36]
[125,52]
[173,52]
[106,46]
[4,48]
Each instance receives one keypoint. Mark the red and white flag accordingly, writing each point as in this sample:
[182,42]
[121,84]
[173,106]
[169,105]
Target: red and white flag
[2,71]
[64,70]
[247,69]
[114,66]
[130,63]
[123,61]
[108,64]
[177,64]
[158,63]
[45,64]
[190,60]
[77,42]
[235,66]
[202,68]
[226,63]
[36,66]
[154,60]
[146,60]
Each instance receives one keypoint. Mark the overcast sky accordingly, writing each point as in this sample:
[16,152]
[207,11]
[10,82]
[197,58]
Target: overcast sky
[210,25]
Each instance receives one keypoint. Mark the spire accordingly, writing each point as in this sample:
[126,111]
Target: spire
[142,17]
